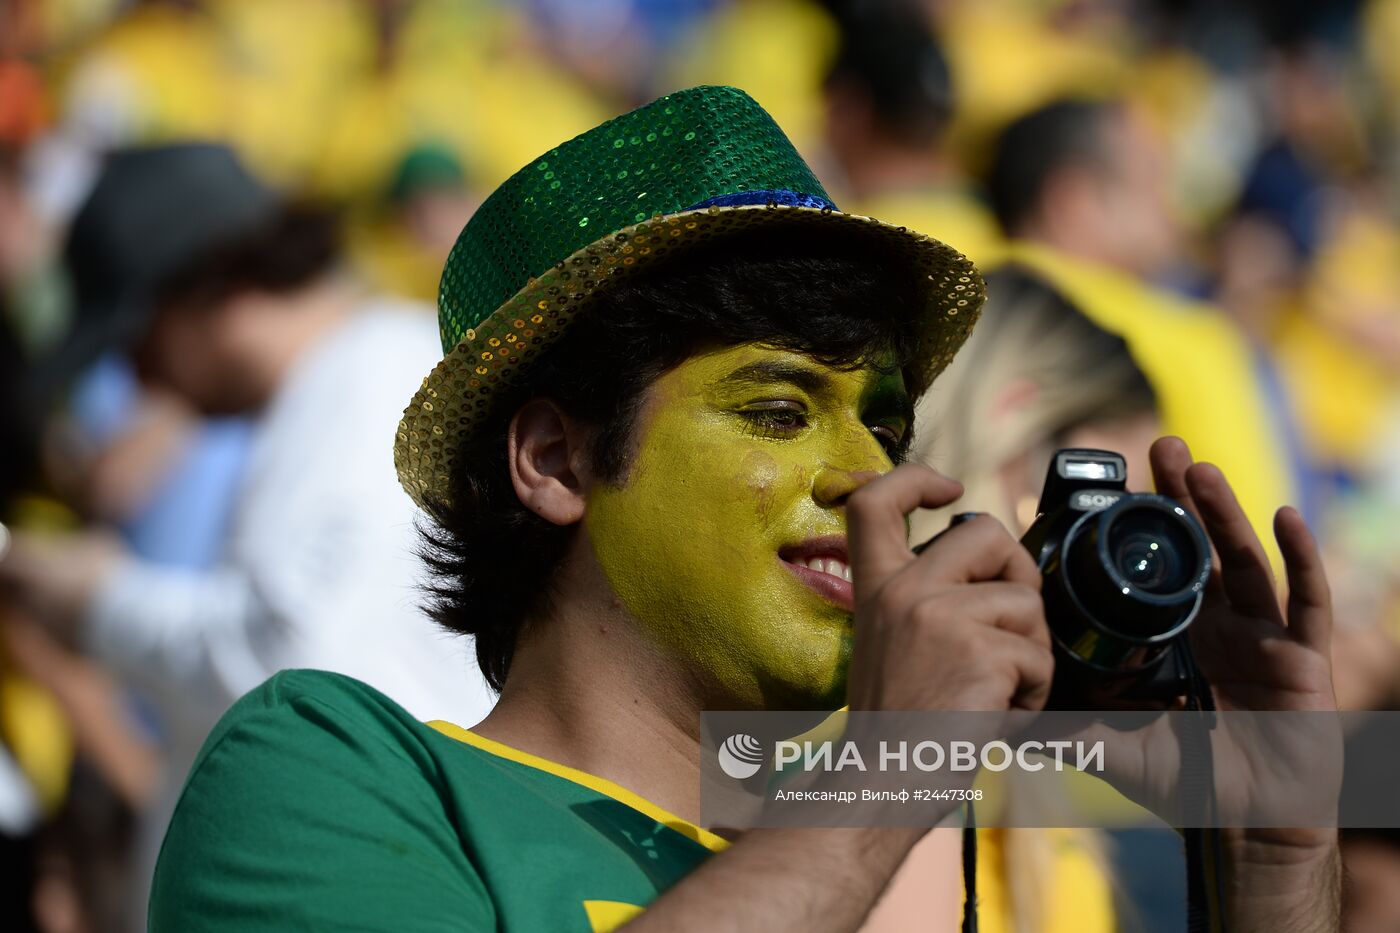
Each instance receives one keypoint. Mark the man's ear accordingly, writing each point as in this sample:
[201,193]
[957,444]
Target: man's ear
[545,449]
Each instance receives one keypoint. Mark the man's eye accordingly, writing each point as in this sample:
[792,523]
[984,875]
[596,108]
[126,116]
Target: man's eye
[890,439]
[776,421]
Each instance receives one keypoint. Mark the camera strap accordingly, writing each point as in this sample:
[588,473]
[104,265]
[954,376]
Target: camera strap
[1205,890]
[969,870]
[1205,893]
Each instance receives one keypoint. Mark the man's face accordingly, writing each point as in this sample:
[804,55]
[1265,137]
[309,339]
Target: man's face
[1137,212]
[727,538]
[200,355]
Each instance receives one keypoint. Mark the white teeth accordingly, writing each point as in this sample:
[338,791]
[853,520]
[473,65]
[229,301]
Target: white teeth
[830,567]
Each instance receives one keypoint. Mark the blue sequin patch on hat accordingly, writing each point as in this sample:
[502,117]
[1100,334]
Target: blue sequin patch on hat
[766,196]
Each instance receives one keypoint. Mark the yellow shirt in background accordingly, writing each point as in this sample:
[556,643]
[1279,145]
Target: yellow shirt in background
[1009,57]
[287,66]
[1199,365]
[156,74]
[950,213]
[1339,352]
[1077,895]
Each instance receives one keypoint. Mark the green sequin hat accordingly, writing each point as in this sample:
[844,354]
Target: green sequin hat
[681,171]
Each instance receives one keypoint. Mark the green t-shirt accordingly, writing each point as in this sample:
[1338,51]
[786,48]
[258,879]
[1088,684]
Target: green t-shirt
[318,803]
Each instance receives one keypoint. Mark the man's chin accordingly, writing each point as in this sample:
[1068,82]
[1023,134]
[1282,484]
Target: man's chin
[823,690]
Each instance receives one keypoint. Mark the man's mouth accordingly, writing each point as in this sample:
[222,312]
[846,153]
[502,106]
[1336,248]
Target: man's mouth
[822,564]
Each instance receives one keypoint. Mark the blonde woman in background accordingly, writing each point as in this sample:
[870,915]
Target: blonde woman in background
[1035,376]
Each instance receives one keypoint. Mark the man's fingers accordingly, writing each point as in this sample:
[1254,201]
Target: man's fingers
[1309,596]
[1170,459]
[1012,607]
[1245,574]
[977,550]
[1035,669]
[875,517]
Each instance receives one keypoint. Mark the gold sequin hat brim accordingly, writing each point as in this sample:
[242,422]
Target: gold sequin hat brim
[497,354]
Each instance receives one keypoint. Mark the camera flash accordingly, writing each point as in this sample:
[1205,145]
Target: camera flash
[1089,469]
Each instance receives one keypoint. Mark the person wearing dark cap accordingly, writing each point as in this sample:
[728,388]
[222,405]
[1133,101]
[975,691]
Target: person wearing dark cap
[660,457]
[402,243]
[234,300]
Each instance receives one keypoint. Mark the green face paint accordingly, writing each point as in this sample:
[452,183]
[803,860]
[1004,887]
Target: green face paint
[744,457]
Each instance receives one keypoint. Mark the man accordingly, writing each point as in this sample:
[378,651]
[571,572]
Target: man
[644,449]
[235,302]
[1080,188]
[1087,179]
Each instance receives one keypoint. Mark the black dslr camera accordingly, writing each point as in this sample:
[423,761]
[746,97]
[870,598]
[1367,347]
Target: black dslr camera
[1123,576]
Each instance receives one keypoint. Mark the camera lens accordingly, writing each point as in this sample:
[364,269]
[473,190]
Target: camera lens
[1133,573]
[1151,552]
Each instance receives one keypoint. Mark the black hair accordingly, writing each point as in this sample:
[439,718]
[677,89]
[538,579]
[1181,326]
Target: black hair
[293,248]
[492,559]
[1033,149]
[888,49]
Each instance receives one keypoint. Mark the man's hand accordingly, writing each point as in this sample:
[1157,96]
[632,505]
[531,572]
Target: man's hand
[1258,656]
[55,576]
[960,626]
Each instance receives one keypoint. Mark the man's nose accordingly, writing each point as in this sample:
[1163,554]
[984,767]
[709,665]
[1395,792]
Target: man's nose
[832,487]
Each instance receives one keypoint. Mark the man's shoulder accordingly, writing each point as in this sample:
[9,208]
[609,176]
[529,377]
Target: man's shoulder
[304,703]
[310,745]
[316,803]
[286,689]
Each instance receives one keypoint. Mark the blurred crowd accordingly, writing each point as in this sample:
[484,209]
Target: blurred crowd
[221,228]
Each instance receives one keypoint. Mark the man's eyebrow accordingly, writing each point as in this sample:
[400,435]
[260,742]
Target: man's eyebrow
[770,371]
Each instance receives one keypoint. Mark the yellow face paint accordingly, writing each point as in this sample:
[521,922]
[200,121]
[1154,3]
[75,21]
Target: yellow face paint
[744,457]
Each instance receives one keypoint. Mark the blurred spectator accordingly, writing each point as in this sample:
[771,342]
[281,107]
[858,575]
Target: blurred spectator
[889,99]
[1036,376]
[154,73]
[1086,179]
[63,860]
[470,74]
[403,243]
[430,191]
[1307,264]
[20,806]
[1079,188]
[1009,58]
[244,309]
